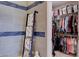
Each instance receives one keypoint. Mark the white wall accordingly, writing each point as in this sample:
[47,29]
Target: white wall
[11,20]
[40,43]
[49,29]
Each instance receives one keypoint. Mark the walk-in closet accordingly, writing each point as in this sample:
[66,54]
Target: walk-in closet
[65,28]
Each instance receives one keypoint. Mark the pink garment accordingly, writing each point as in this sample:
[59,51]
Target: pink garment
[62,23]
[69,43]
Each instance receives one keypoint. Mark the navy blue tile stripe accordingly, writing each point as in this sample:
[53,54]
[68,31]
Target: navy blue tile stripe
[34,4]
[19,6]
[41,34]
[13,5]
[3,34]
[11,33]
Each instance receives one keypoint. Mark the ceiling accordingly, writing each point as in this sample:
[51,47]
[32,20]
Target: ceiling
[23,3]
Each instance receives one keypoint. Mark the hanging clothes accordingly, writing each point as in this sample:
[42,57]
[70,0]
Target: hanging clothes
[70,28]
[57,43]
[66,23]
[75,46]
[69,45]
[72,46]
[62,27]
[63,24]
[65,45]
[62,44]
[76,25]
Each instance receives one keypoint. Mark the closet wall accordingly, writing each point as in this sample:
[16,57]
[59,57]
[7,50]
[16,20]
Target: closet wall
[40,43]
[12,24]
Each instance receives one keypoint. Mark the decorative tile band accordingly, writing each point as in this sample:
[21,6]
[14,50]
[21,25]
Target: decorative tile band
[19,6]
[3,34]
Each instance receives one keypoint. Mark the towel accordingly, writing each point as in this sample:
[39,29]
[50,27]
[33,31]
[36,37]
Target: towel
[30,20]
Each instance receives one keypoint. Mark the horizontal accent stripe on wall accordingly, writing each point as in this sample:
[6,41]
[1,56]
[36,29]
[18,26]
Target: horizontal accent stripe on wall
[34,4]
[13,5]
[2,34]
[41,34]
[19,6]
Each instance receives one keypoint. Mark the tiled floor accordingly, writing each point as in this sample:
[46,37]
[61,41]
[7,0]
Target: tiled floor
[59,54]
